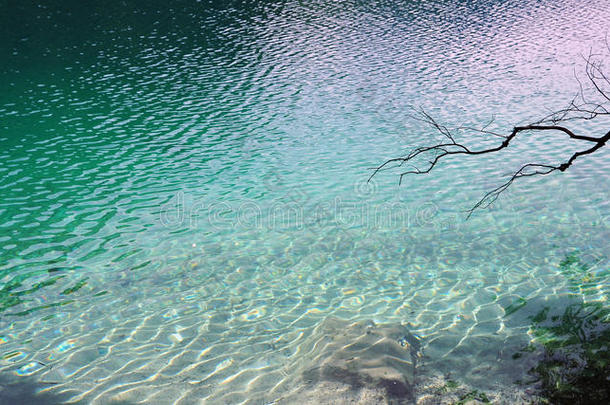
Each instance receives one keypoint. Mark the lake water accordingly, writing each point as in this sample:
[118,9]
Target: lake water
[184,196]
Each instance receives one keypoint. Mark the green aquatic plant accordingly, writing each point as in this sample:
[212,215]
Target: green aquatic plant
[515,306]
[473,396]
[578,325]
[580,274]
[573,342]
[576,359]
[575,353]
[80,284]
[10,295]
[450,385]
[461,392]
[13,294]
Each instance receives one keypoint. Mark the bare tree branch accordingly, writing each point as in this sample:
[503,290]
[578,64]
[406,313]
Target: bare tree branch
[555,121]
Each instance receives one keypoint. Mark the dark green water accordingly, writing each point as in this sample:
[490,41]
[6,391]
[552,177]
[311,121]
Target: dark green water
[183,188]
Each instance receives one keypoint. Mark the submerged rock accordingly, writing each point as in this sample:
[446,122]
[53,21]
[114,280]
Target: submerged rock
[355,362]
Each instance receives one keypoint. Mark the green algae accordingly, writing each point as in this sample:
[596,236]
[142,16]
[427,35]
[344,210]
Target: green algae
[515,306]
[574,344]
[10,295]
[473,395]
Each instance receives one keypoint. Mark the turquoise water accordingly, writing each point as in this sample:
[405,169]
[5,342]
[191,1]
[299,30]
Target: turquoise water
[184,189]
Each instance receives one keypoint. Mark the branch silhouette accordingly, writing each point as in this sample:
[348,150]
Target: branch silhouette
[580,108]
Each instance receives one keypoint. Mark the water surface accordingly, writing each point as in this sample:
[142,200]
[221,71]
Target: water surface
[184,189]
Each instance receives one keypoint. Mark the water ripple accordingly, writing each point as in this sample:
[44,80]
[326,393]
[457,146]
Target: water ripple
[144,150]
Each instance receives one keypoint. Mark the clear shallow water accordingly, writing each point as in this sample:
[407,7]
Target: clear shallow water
[184,189]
